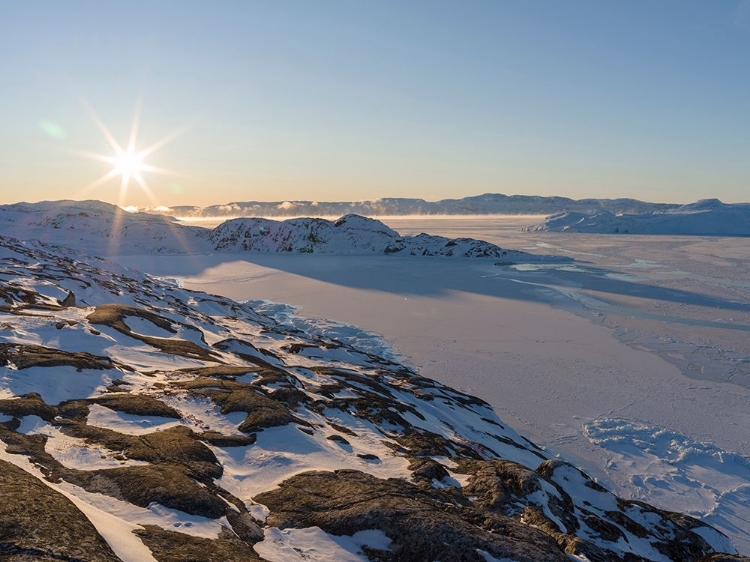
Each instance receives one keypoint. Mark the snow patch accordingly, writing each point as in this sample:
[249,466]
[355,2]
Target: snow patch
[144,327]
[56,384]
[315,545]
[130,424]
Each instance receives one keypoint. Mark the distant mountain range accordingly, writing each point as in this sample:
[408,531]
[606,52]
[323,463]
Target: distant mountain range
[708,217]
[604,216]
[487,204]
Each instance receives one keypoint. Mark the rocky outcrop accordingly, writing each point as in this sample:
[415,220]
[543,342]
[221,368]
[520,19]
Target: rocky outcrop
[69,300]
[422,525]
[171,546]
[227,424]
[38,523]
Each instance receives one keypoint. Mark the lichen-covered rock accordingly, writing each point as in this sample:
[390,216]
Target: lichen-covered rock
[26,356]
[38,522]
[423,526]
[171,546]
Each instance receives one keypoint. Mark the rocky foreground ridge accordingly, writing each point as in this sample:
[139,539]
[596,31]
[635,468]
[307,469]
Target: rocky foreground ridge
[141,421]
[106,230]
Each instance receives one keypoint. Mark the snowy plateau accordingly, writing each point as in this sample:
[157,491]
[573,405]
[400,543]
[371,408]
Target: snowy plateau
[706,217]
[144,417]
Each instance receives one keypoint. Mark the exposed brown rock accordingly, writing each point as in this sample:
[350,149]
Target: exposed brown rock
[428,469]
[113,315]
[221,440]
[262,412]
[172,446]
[423,526]
[171,546]
[40,523]
[69,300]
[28,405]
[25,356]
[142,485]
[137,404]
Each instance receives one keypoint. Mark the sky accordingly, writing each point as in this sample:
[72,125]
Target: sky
[335,100]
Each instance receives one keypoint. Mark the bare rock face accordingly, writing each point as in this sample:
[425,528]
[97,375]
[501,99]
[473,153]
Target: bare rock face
[422,525]
[171,546]
[69,300]
[26,356]
[428,470]
[506,510]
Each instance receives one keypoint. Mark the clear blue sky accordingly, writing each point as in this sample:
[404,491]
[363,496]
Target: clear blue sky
[350,100]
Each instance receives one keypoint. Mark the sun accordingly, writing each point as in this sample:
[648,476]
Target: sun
[127,162]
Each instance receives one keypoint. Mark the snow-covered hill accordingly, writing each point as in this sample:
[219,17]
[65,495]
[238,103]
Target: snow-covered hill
[708,217]
[106,230]
[140,421]
[351,234]
[486,204]
[100,228]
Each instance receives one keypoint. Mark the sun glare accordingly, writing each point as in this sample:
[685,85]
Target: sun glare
[127,163]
